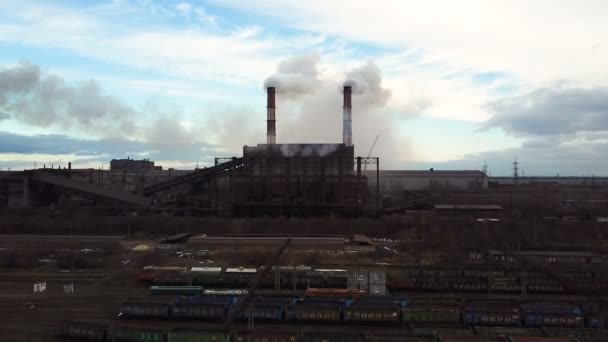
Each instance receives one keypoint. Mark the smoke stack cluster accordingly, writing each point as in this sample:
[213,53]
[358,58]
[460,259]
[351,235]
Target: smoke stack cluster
[271,133]
[347,124]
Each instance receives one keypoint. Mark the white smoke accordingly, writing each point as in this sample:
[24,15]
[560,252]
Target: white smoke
[366,81]
[307,150]
[309,110]
[295,76]
[40,99]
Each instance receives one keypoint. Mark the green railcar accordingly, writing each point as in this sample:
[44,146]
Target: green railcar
[432,314]
[196,336]
[438,330]
[137,335]
[215,280]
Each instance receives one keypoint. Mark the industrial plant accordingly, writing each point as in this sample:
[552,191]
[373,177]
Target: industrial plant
[301,242]
[287,179]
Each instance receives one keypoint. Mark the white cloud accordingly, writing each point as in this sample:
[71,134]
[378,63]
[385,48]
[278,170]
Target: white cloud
[536,40]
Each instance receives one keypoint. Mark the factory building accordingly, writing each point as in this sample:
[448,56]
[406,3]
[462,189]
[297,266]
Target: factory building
[300,174]
[132,165]
[369,281]
[398,181]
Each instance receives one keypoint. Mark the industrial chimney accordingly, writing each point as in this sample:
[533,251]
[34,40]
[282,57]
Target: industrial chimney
[347,125]
[271,133]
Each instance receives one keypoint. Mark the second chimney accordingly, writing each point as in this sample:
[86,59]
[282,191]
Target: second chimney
[347,124]
[271,133]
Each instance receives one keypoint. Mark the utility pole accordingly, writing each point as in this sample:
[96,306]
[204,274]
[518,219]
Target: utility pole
[515,171]
[372,149]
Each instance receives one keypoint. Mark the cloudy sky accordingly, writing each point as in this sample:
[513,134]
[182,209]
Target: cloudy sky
[446,84]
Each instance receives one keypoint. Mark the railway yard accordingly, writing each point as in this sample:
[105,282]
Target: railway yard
[191,288]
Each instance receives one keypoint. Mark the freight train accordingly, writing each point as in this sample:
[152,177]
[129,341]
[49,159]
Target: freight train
[470,278]
[87,331]
[345,308]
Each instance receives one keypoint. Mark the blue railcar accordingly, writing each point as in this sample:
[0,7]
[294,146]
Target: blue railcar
[303,310]
[202,308]
[491,314]
[266,308]
[552,314]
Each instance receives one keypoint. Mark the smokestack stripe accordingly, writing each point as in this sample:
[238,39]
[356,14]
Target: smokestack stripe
[347,129]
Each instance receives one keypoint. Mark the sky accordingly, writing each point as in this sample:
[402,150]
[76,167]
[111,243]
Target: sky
[444,84]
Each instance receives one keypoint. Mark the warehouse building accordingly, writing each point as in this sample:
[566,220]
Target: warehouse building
[369,281]
[397,181]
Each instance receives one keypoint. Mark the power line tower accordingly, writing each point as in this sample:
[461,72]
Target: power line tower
[484,169]
[515,171]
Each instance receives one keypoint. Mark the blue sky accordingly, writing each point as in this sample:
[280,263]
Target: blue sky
[446,84]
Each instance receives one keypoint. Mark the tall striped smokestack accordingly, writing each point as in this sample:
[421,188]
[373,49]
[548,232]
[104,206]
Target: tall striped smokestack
[347,124]
[271,133]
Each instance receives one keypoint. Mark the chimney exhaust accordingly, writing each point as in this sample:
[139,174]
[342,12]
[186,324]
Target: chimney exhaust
[347,124]
[271,133]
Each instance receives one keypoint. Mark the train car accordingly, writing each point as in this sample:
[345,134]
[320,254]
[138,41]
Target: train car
[243,276]
[544,286]
[438,330]
[327,278]
[303,310]
[483,270]
[469,284]
[552,314]
[150,273]
[83,331]
[431,283]
[431,314]
[375,309]
[501,333]
[265,336]
[127,334]
[176,290]
[266,308]
[201,308]
[506,284]
[145,309]
[172,279]
[370,312]
[179,335]
[215,277]
[334,293]
[580,333]
[491,314]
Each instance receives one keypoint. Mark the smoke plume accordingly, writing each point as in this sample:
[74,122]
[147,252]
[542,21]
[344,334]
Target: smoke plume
[295,76]
[39,99]
[309,109]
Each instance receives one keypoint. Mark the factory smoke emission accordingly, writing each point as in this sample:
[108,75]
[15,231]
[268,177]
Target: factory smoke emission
[310,97]
[40,99]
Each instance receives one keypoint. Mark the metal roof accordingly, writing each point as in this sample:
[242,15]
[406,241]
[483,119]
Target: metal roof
[206,269]
[428,173]
[467,207]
